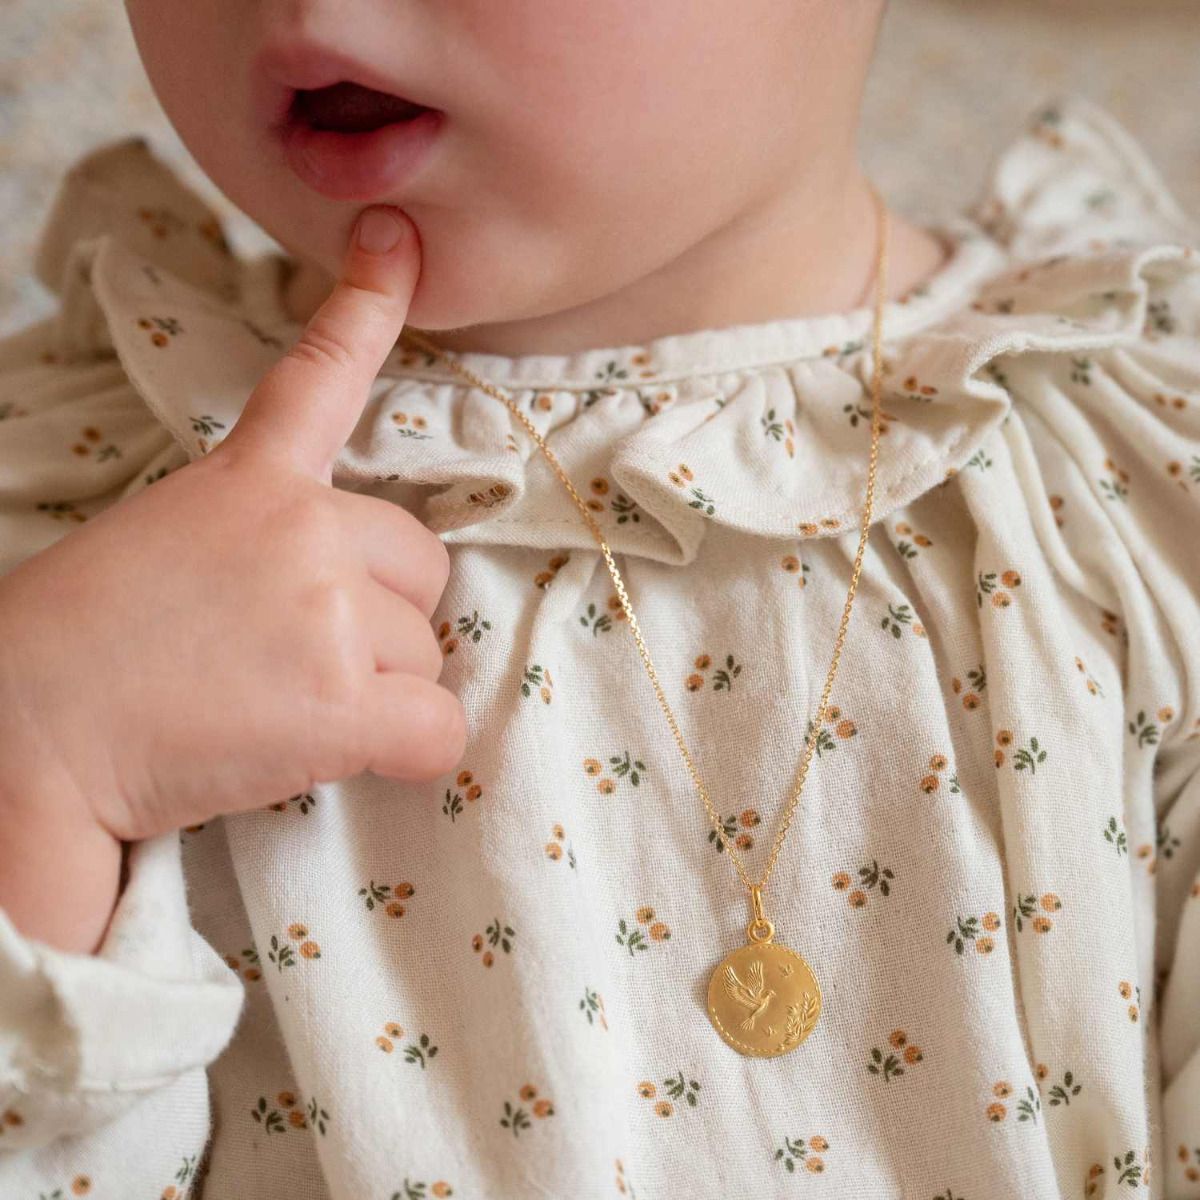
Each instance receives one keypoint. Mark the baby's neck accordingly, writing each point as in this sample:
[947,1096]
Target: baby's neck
[786,260]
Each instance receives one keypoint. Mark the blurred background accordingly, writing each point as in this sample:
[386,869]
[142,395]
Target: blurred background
[953,80]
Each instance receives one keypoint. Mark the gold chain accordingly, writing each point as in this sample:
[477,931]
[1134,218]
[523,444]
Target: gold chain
[420,339]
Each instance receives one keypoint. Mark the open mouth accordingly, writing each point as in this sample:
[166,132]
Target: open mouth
[347,107]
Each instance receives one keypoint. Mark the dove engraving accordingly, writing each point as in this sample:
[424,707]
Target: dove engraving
[753,995]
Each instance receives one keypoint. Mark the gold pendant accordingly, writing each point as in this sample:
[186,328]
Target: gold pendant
[763,998]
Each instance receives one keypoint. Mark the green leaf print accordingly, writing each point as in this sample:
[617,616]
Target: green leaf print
[965,931]
[452,805]
[723,678]
[420,1051]
[1128,1169]
[624,767]
[595,620]
[1061,1093]
[631,939]
[887,1067]
[702,502]
[1113,833]
[515,1119]
[317,1116]
[898,616]
[1144,730]
[1030,1106]
[1029,758]
[680,1088]
[501,935]
[473,626]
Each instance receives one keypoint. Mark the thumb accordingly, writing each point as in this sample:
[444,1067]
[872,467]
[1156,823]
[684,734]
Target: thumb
[307,405]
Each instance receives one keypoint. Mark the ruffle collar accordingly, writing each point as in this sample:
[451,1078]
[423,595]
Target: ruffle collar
[762,429]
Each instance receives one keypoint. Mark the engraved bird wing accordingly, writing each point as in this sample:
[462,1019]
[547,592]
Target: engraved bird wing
[756,977]
[737,990]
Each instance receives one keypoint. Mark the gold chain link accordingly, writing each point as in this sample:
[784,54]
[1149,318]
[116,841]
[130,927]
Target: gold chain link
[420,339]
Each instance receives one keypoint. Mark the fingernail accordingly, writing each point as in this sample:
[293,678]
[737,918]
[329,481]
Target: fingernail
[379,231]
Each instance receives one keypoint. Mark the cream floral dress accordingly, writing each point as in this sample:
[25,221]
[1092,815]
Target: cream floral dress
[493,985]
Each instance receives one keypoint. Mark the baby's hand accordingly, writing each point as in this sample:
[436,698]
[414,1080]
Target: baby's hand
[241,629]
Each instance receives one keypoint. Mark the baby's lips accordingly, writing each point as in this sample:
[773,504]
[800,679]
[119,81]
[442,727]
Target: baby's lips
[362,166]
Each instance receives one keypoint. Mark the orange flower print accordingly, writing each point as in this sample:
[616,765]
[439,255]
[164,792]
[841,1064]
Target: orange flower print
[900,616]
[252,972]
[61,510]
[910,544]
[623,767]
[415,429]
[1114,485]
[81,1185]
[415,1189]
[1126,992]
[1033,908]
[496,494]
[681,1090]
[289,1114]
[499,936]
[723,678]
[794,1151]
[986,585]
[748,818]
[161,221]
[869,878]
[780,431]
[623,1186]
[467,791]
[554,847]
[382,895]
[544,578]
[633,939]
[626,510]
[1092,686]
[794,565]
[966,931]
[304,802]
[282,954]
[517,1119]
[89,436]
[536,681]
[160,329]
[1191,1159]
[842,726]
[681,475]
[592,1007]
[1028,1106]
[889,1066]
[917,390]
[392,1033]
[466,629]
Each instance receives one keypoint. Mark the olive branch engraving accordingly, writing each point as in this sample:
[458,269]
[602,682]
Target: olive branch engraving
[800,1020]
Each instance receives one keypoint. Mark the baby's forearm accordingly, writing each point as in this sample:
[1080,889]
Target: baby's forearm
[60,870]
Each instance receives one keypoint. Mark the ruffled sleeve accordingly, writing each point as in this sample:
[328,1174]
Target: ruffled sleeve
[1109,446]
[125,1032]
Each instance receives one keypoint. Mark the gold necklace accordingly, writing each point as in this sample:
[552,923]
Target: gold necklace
[763,998]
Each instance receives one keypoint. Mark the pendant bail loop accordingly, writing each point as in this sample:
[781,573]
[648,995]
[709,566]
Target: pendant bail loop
[756,900]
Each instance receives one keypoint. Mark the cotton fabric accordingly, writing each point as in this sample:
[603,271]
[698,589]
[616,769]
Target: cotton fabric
[493,985]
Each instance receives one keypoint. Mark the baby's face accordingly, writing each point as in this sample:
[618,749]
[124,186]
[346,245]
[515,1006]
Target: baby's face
[583,144]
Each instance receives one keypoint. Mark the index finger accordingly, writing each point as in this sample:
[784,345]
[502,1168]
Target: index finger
[309,402]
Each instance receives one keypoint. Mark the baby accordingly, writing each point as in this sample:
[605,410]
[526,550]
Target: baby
[618,665]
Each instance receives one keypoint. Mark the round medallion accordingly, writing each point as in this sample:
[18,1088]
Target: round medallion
[763,999]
